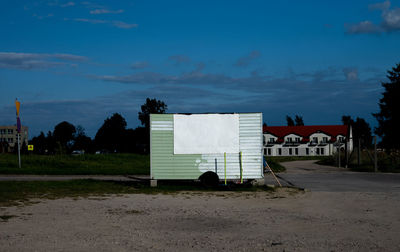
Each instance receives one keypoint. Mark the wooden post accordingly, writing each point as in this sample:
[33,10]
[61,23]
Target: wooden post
[241,169]
[358,152]
[375,156]
[339,155]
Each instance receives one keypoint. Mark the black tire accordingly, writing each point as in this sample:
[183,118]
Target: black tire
[209,179]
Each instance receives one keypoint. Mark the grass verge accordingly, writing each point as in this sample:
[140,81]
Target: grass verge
[88,164]
[20,192]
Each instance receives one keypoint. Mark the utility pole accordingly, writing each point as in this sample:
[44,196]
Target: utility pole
[375,156]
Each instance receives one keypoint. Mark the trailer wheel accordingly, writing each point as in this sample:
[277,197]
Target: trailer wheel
[209,179]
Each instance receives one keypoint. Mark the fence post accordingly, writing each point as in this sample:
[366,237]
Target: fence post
[375,156]
[358,152]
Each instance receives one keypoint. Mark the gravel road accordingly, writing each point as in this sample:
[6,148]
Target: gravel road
[285,220]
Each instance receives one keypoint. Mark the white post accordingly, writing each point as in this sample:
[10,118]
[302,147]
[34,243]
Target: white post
[19,153]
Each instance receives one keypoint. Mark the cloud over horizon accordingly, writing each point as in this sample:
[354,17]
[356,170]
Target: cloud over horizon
[244,61]
[28,61]
[390,21]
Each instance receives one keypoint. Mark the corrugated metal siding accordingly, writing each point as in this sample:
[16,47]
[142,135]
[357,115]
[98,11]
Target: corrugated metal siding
[166,165]
[250,142]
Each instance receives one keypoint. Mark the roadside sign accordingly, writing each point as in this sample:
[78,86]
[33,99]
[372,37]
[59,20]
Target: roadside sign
[30,147]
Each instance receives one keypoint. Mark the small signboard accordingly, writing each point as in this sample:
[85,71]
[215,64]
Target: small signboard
[30,147]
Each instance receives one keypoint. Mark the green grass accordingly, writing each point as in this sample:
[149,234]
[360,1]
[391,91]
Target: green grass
[274,162]
[17,192]
[88,164]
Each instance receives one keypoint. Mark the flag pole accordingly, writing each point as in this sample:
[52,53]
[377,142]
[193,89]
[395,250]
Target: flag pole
[19,153]
[17,106]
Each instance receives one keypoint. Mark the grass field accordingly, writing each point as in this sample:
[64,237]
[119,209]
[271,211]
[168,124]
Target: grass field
[88,164]
[21,192]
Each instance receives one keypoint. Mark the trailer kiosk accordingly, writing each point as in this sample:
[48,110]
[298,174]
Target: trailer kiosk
[194,146]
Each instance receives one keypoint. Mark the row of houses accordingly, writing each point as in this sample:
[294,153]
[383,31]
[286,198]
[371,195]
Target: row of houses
[322,140]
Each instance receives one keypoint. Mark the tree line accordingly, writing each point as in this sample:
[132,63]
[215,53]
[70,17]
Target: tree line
[113,136]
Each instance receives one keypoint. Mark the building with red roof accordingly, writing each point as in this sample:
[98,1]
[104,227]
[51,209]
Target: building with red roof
[315,140]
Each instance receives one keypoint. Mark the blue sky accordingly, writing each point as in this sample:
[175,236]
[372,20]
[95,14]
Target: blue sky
[81,61]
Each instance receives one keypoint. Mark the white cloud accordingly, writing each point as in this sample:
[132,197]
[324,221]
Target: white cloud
[362,27]
[123,25]
[390,21]
[36,60]
[115,23]
[105,11]
[247,59]
[351,74]
[68,4]
[380,6]
[139,65]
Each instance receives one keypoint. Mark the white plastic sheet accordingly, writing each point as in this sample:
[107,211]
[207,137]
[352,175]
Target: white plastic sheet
[206,133]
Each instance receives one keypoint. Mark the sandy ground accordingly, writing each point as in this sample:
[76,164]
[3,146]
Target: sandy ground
[285,220]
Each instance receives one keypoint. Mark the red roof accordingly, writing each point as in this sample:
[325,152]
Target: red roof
[306,131]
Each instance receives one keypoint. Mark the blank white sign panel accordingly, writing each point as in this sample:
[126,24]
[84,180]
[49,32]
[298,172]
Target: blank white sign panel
[206,133]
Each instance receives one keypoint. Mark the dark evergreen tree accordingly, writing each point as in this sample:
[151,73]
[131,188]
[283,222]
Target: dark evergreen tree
[389,116]
[289,121]
[299,120]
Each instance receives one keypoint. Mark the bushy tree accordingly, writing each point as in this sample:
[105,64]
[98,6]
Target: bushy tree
[63,134]
[39,143]
[81,141]
[389,116]
[111,134]
[152,106]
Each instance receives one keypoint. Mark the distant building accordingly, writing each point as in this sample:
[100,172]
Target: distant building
[306,140]
[9,137]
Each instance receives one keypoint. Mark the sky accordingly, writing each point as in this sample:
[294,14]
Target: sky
[82,61]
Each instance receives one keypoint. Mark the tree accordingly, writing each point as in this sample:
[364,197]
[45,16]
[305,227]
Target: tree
[289,121]
[39,143]
[64,135]
[111,134]
[299,120]
[389,116]
[81,141]
[152,106]
[361,130]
